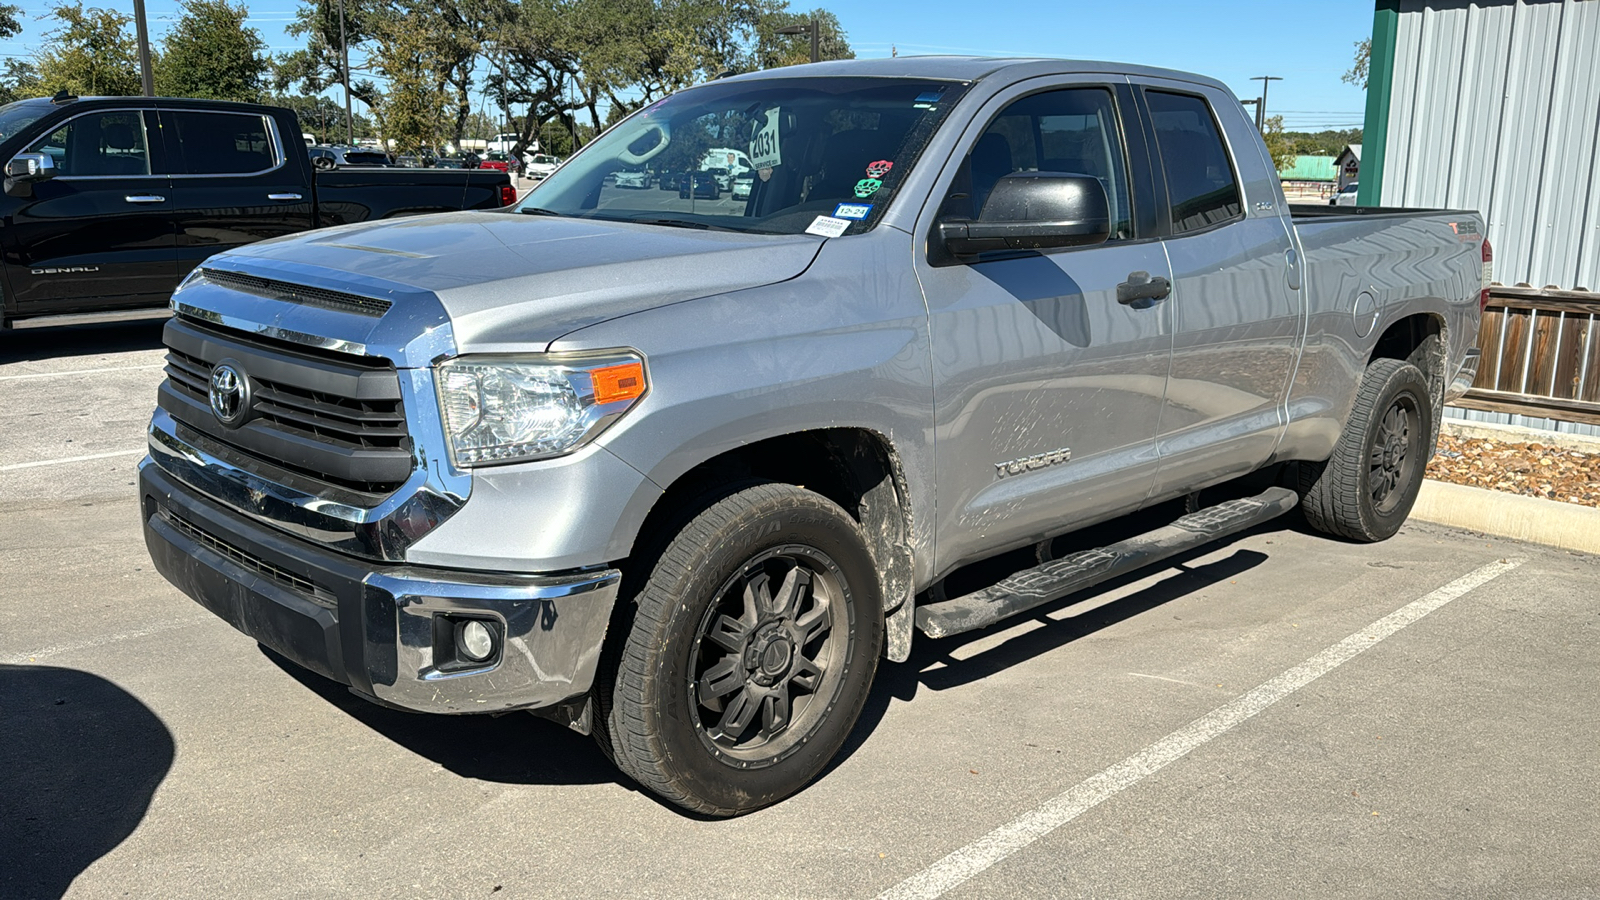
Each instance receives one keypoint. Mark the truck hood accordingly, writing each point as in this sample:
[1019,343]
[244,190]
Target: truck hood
[513,282]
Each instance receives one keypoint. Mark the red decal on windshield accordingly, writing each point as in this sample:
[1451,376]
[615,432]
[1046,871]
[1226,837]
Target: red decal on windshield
[879,169]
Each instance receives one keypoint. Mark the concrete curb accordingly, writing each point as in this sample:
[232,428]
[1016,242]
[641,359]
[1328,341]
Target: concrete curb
[1516,434]
[1564,525]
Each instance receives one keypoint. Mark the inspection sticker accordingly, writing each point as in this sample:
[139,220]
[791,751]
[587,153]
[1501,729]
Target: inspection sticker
[857,211]
[828,226]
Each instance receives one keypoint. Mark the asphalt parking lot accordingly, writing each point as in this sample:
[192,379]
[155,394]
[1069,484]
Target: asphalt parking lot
[1281,715]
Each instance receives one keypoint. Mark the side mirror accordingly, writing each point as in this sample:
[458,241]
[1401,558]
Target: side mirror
[1034,211]
[27,169]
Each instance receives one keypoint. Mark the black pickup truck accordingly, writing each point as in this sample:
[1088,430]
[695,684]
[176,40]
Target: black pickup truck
[109,202]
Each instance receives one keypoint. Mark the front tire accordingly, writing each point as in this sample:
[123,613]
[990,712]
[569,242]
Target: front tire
[1367,488]
[751,653]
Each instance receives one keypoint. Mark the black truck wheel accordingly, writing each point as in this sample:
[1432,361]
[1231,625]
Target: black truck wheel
[1366,489]
[751,653]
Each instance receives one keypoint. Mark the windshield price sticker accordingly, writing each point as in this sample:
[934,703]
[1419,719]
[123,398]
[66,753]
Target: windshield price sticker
[765,152]
[856,211]
[828,226]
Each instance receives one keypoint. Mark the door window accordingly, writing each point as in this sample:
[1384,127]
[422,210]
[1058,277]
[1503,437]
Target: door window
[1070,131]
[98,144]
[1200,183]
[214,143]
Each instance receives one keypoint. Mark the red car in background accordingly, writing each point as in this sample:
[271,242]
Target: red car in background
[501,162]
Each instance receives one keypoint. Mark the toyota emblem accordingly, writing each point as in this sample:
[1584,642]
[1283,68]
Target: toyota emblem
[230,394]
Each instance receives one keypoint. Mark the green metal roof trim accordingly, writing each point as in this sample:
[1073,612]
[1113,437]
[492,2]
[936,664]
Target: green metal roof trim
[1310,168]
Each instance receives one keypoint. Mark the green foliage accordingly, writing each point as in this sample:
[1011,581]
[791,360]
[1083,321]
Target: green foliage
[1278,144]
[1358,69]
[91,52]
[1322,143]
[411,53]
[210,54]
[322,117]
[773,50]
[19,81]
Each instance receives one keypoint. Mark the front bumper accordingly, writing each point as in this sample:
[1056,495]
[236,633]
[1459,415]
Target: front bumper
[384,630]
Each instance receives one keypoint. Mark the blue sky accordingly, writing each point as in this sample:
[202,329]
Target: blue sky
[1307,44]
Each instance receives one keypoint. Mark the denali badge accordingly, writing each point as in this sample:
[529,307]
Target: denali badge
[230,394]
[1029,463]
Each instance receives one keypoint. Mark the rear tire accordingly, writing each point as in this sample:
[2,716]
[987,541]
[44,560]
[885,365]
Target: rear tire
[751,653]
[1365,490]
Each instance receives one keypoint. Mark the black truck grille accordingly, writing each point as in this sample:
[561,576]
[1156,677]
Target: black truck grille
[335,418]
[248,561]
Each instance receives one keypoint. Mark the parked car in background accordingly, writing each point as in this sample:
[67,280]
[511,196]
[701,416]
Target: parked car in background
[501,162]
[340,157]
[109,202]
[700,186]
[723,176]
[742,187]
[670,181]
[633,179]
[449,162]
[542,164]
[1346,195]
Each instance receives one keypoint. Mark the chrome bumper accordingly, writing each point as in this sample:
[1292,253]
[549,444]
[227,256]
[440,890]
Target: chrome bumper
[1465,375]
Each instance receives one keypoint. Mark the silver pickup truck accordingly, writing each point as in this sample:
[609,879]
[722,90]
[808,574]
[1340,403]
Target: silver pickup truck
[678,468]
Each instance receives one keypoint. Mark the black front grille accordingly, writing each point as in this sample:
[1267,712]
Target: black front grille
[256,564]
[274,289]
[336,419]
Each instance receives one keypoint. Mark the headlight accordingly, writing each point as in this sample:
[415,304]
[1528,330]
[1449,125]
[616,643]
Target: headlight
[499,410]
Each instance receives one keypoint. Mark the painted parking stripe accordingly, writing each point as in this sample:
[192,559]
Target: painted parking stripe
[42,653]
[1000,843]
[69,459]
[80,372]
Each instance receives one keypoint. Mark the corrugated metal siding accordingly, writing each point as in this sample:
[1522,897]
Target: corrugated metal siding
[1496,107]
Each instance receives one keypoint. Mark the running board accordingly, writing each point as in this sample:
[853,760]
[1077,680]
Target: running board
[1060,577]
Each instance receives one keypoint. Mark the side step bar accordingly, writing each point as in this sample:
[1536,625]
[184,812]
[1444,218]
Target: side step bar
[1060,577]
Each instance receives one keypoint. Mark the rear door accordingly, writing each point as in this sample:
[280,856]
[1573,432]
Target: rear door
[233,182]
[1047,390]
[99,234]
[1237,317]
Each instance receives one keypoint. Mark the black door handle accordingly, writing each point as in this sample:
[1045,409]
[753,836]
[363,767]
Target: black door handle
[1141,291]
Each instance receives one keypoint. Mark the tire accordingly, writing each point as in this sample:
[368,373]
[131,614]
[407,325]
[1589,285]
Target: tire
[1365,490]
[768,599]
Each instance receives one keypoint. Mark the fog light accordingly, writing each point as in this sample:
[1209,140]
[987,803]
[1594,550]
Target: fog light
[476,640]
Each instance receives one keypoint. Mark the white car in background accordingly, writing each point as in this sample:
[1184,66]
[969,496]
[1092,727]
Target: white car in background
[742,186]
[1345,197]
[627,178]
[542,164]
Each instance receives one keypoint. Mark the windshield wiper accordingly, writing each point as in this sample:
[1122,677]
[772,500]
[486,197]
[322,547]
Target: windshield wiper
[680,223]
[536,211]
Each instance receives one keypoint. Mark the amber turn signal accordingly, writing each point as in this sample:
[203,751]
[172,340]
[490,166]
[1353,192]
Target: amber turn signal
[614,383]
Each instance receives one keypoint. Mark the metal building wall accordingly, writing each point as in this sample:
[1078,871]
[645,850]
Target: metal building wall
[1495,106]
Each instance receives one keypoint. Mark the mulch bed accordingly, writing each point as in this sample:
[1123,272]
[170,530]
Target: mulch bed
[1534,470]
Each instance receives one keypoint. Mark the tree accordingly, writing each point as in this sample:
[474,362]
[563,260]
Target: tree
[19,81]
[1278,144]
[210,54]
[90,53]
[409,53]
[773,50]
[1358,70]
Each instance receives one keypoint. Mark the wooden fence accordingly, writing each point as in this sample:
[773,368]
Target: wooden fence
[1541,355]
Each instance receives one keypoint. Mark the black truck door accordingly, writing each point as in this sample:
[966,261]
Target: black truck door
[233,182]
[99,234]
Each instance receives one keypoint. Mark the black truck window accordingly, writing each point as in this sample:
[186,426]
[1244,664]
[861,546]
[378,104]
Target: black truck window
[98,144]
[1072,131]
[219,143]
[1200,182]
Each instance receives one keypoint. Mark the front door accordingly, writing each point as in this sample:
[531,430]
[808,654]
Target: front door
[99,234]
[233,182]
[1047,390]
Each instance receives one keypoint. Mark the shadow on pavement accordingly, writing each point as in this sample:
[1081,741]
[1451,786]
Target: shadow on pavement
[515,748]
[65,341]
[80,759]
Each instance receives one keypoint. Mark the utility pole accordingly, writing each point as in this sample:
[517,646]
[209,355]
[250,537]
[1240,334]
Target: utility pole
[816,36]
[344,53]
[146,76]
[1261,106]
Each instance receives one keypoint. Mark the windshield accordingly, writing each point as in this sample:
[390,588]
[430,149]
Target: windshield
[825,156]
[14,117]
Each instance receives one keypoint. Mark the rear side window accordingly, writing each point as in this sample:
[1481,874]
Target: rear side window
[98,145]
[1200,182]
[208,143]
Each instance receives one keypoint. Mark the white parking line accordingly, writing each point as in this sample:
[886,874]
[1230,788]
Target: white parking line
[68,459]
[1000,843]
[80,372]
[43,653]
